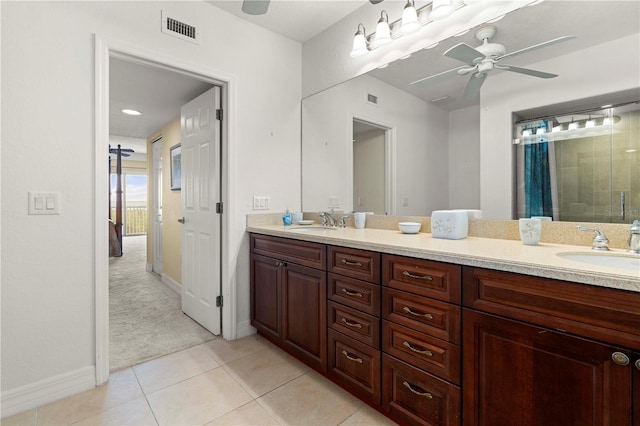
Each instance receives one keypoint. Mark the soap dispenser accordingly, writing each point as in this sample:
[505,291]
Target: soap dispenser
[286,219]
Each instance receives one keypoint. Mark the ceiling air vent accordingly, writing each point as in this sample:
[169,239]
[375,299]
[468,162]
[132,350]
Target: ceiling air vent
[180,29]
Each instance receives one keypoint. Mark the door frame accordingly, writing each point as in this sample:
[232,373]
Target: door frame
[389,160]
[156,198]
[104,49]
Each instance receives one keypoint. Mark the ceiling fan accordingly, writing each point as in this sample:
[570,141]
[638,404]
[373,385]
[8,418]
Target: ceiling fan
[260,7]
[123,151]
[482,59]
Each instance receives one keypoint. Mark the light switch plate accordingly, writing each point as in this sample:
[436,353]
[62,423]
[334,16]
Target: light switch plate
[44,203]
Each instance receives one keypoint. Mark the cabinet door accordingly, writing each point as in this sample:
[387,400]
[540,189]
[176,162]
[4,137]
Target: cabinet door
[521,375]
[265,296]
[304,310]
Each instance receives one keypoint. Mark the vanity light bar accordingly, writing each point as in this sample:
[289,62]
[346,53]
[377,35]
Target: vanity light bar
[435,10]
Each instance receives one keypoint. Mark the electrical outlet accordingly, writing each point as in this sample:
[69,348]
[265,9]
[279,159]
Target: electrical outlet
[405,201]
[261,202]
[334,202]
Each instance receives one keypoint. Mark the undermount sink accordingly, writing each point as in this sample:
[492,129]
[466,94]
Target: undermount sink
[629,262]
[312,229]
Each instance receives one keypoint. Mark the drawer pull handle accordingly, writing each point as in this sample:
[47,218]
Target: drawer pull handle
[351,324]
[351,293]
[349,263]
[637,363]
[417,314]
[420,351]
[425,394]
[417,277]
[620,358]
[352,358]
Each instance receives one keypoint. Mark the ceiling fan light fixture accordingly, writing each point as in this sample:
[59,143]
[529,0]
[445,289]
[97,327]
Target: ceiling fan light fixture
[131,112]
[383,31]
[360,47]
[440,9]
[410,22]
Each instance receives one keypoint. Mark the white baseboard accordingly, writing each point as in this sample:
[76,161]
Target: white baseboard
[45,391]
[245,329]
[171,283]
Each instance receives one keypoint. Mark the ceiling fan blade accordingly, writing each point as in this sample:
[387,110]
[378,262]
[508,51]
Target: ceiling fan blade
[438,77]
[526,71]
[255,7]
[375,1]
[465,53]
[472,90]
[536,46]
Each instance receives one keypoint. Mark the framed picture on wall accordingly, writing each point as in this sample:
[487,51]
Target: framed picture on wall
[176,167]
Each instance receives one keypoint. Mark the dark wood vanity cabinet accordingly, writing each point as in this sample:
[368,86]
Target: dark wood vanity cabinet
[539,351]
[288,296]
[431,343]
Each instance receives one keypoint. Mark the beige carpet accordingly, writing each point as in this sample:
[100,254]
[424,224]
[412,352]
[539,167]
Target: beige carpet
[145,316]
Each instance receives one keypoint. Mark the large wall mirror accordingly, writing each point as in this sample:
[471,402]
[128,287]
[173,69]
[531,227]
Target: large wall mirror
[439,147]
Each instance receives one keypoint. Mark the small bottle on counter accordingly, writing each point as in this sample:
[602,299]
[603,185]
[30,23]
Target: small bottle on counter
[286,219]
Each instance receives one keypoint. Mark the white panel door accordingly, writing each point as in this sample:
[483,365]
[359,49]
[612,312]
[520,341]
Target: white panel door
[200,164]
[156,184]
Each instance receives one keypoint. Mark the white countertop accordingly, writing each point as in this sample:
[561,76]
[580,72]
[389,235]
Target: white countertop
[502,255]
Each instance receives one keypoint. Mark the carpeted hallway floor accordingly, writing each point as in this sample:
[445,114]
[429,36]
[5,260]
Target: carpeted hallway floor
[145,316]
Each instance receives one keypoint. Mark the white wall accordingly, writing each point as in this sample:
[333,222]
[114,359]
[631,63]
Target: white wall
[464,154]
[590,72]
[420,155]
[48,145]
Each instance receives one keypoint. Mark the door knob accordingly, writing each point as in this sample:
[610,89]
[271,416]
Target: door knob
[181,220]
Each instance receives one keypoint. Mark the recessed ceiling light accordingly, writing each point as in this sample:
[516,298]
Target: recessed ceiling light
[131,112]
[631,150]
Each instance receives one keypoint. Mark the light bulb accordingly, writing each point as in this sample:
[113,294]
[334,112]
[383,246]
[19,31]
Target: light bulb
[410,22]
[590,123]
[573,125]
[440,9]
[383,32]
[360,47]
[540,131]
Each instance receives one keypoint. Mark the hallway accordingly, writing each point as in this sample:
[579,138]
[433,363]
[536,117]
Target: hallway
[145,316]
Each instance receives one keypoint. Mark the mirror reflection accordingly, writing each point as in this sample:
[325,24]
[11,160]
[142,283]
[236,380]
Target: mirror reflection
[443,151]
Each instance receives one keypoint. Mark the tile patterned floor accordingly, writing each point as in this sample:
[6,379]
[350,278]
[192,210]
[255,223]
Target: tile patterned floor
[244,382]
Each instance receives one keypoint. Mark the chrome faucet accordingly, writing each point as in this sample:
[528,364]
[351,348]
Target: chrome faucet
[600,242]
[327,219]
[634,238]
[341,222]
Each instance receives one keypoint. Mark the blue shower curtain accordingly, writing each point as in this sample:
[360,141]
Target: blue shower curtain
[537,180]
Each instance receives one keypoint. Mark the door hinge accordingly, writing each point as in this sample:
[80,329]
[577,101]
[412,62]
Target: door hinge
[219,208]
[219,114]
[218,301]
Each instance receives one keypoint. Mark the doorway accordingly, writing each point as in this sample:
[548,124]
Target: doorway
[371,168]
[104,52]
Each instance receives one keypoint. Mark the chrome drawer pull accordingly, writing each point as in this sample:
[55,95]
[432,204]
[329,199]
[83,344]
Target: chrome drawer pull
[351,358]
[346,262]
[426,394]
[417,277]
[620,358]
[351,324]
[420,351]
[351,293]
[417,314]
[637,364]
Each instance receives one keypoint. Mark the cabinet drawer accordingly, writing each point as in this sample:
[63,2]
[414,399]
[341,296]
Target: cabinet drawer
[422,314]
[354,263]
[303,253]
[355,366]
[355,324]
[357,294]
[417,397]
[601,313]
[427,278]
[433,355]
